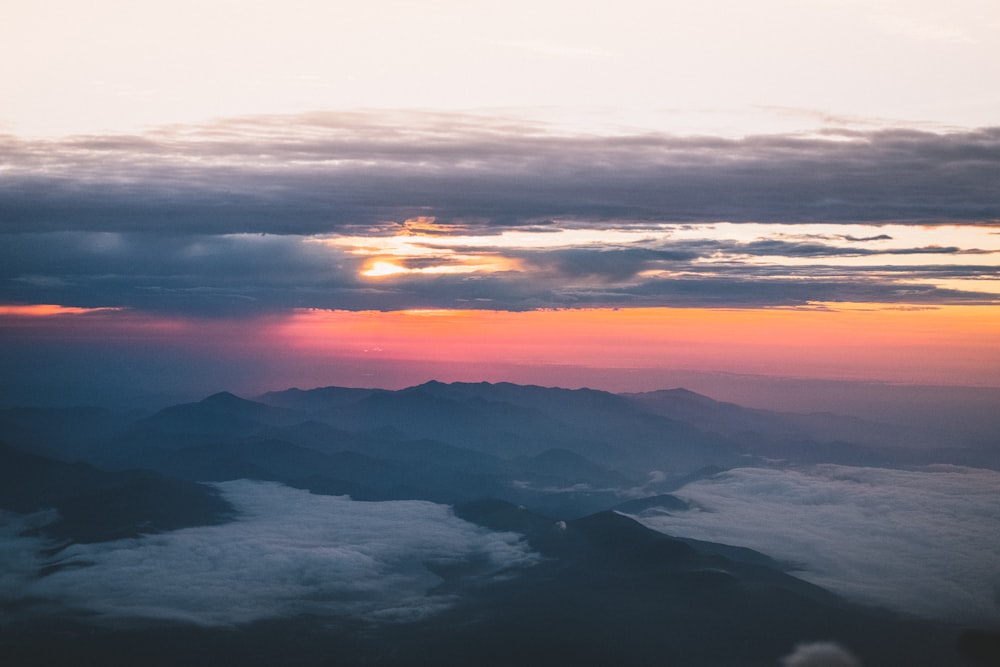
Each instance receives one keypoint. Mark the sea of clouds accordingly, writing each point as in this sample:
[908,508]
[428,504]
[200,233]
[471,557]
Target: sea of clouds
[923,541]
[288,552]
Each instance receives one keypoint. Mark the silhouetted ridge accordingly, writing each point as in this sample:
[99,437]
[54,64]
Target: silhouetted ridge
[320,398]
[609,535]
[663,502]
[504,516]
[231,404]
[95,505]
[584,586]
[224,399]
[67,434]
[219,414]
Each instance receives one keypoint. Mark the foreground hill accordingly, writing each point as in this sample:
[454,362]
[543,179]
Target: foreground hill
[606,591]
[94,505]
[557,467]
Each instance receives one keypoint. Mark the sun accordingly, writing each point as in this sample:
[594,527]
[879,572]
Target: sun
[383,268]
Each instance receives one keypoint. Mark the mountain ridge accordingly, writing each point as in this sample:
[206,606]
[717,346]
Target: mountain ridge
[561,473]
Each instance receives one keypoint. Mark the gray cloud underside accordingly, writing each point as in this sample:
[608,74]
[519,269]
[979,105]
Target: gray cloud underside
[625,262]
[215,219]
[252,274]
[289,553]
[919,541]
[322,173]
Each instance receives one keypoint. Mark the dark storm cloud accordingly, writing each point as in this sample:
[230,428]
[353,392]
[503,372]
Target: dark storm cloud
[746,292]
[766,287]
[250,274]
[195,274]
[609,263]
[327,172]
[622,263]
[225,218]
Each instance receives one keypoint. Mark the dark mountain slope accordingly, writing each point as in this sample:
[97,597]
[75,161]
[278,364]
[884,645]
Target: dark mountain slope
[612,589]
[506,420]
[95,505]
[495,428]
[340,472]
[608,592]
[735,420]
[221,413]
[221,416]
[316,400]
[587,415]
[68,434]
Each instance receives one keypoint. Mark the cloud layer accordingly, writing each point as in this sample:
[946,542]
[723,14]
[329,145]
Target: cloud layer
[289,552]
[820,654]
[920,541]
[317,173]
[246,274]
[397,211]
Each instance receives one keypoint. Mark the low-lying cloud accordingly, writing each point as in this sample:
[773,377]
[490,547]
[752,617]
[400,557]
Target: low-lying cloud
[289,552]
[820,654]
[319,173]
[922,542]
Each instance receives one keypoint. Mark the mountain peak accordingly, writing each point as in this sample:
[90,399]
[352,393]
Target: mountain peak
[223,398]
[435,385]
[228,402]
[676,393]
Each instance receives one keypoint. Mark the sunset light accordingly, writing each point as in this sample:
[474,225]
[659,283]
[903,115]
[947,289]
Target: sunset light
[859,341]
[539,332]
[47,310]
[378,269]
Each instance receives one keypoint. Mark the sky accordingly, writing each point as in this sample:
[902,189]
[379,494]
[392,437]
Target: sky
[252,195]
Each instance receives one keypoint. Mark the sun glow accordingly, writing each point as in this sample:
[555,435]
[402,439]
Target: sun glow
[47,310]
[451,265]
[951,344]
[848,246]
[383,268]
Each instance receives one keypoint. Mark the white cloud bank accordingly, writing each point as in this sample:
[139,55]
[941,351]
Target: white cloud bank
[923,542]
[289,552]
[820,654]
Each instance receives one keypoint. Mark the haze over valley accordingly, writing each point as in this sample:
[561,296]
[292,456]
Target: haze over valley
[354,522]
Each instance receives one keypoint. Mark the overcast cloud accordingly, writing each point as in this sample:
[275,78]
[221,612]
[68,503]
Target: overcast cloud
[253,215]
[250,274]
[318,173]
[289,552]
[921,541]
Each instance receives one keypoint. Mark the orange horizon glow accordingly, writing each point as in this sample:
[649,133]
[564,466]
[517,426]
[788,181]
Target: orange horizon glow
[950,344]
[48,310]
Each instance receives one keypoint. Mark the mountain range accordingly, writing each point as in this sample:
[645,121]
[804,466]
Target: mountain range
[570,471]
